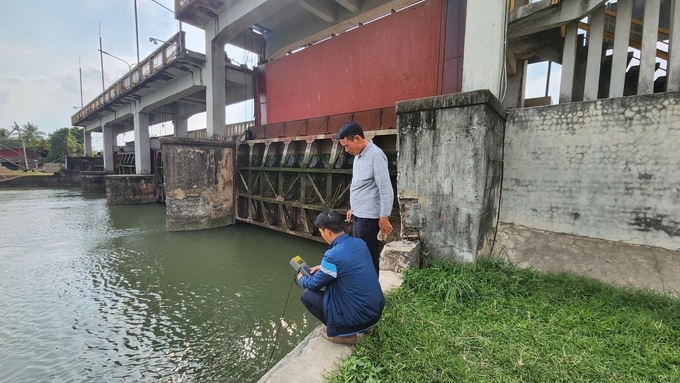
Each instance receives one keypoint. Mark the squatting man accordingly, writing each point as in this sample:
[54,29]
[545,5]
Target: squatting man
[353,300]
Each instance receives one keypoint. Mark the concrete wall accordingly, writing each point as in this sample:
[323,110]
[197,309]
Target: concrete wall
[57,180]
[80,164]
[93,181]
[606,169]
[448,179]
[126,189]
[199,183]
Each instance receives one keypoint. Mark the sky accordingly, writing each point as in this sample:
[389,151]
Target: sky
[42,42]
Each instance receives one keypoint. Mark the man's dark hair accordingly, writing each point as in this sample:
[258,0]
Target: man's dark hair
[350,129]
[331,220]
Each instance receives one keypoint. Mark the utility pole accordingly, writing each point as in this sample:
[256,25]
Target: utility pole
[101,55]
[23,146]
[80,72]
[137,32]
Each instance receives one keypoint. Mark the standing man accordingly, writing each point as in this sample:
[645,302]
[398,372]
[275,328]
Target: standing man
[353,300]
[371,194]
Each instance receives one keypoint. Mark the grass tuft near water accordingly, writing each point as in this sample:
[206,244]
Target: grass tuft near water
[497,322]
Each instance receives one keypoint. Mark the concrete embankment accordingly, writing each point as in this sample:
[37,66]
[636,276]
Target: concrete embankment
[315,356]
[48,181]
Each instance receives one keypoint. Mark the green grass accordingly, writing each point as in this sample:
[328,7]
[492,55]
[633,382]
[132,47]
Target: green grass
[495,322]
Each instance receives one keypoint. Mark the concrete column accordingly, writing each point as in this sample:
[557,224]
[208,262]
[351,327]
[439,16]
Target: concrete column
[449,173]
[673,79]
[485,34]
[650,34]
[181,127]
[87,140]
[568,63]
[107,150]
[596,35]
[514,96]
[142,144]
[199,183]
[216,95]
[624,13]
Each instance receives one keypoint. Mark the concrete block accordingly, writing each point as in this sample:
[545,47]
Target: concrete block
[199,183]
[449,172]
[126,189]
[93,182]
[400,255]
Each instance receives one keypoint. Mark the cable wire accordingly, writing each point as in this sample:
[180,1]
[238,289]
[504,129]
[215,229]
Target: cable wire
[276,336]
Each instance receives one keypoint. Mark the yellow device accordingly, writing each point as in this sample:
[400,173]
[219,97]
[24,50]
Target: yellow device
[299,265]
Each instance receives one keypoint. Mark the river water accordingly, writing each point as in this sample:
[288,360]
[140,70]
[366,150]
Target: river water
[92,292]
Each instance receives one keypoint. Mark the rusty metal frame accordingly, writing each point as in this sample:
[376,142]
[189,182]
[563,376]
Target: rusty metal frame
[283,183]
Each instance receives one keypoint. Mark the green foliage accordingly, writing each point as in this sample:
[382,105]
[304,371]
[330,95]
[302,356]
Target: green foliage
[64,142]
[496,322]
[34,139]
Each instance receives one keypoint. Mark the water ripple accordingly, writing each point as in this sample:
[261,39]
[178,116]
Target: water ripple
[94,292]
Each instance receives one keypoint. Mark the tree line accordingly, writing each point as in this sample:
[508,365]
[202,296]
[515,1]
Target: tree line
[53,147]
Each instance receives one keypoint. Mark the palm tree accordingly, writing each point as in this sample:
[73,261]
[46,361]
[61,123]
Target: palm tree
[31,133]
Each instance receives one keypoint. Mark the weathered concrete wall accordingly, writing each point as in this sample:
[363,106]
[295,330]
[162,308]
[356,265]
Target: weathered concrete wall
[125,189]
[605,169]
[449,169]
[199,183]
[93,181]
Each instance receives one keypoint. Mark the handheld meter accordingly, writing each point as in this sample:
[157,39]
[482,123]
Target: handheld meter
[299,265]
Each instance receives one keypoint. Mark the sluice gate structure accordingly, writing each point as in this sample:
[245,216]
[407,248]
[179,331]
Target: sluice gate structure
[290,172]
[441,86]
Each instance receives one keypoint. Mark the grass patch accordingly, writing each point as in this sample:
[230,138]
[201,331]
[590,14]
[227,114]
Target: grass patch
[497,322]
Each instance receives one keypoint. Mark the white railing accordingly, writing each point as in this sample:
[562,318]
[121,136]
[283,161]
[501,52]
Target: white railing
[234,132]
[165,55]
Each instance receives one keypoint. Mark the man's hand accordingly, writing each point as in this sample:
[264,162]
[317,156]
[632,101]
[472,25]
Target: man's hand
[385,226]
[315,268]
[299,275]
[349,216]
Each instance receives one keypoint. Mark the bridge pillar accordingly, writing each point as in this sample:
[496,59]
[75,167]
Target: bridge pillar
[449,166]
[107,149]
[142,144]
[216,94]
[485,34]
[181,127]
[199,183]
[87,140]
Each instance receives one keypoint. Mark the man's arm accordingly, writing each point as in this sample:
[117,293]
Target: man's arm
[325,274]
[381,175]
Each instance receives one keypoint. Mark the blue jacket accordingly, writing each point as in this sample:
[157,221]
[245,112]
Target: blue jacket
[353,300]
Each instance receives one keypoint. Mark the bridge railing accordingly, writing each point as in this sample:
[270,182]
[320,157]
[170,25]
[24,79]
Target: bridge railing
[374,119]
[165,55]
[234,131]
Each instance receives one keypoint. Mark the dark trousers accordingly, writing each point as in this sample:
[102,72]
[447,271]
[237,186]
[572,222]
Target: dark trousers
[367,229]
[313,301]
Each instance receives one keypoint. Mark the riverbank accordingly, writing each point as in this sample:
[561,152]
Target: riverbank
[315,356]
[494,321]
[625,265]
